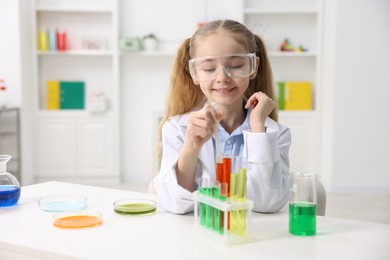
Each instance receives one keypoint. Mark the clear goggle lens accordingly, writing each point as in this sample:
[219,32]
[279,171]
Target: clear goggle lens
[234,66]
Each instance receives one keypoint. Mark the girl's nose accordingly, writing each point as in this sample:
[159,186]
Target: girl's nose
[222,75]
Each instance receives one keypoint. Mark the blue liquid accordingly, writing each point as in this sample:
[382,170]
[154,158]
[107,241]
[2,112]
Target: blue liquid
[59,206]
[9,195]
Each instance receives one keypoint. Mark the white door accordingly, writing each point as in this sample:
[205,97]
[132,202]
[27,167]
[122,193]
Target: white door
[96,147]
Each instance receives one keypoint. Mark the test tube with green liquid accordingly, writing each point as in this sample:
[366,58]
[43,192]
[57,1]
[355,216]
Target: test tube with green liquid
[216,212]
[223,194]
[202,208]
[209,209]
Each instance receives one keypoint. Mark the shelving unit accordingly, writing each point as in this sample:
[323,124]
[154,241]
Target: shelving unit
[10,138]
[72,144]
[81,145]
[301,22]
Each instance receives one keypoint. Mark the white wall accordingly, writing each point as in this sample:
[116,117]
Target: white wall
[10,60]
[361,134]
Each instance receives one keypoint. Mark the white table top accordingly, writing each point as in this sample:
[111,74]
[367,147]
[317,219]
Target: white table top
[26,232]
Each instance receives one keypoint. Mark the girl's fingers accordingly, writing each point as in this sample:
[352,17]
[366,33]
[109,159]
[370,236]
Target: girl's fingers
[253,100]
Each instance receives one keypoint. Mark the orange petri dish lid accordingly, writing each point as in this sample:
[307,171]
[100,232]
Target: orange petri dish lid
[78,219]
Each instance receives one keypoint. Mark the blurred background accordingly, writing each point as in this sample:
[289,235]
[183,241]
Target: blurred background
[83,86]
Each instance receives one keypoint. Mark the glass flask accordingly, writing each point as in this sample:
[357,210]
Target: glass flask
[9,185]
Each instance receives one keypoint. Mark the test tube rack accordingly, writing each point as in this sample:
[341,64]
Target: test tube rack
[227,235]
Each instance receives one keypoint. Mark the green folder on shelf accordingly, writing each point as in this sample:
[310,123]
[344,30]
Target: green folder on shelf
[72,95]
[294,95]
[65,95]
[281,95]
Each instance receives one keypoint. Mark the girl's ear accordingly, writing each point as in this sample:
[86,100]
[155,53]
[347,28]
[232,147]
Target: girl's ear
[195,82]
[257,67]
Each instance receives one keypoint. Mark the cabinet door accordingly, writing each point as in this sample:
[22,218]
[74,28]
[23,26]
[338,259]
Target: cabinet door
[95,147]
[304,149]
[56,147]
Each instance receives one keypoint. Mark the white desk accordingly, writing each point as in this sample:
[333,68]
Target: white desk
[26,232]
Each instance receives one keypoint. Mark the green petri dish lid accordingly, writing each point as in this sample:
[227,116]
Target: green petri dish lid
[135,206]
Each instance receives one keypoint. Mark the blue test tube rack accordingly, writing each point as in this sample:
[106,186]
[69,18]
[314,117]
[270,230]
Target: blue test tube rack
[230,206]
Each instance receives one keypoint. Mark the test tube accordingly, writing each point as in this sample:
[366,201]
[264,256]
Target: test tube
[241,196]
[202,208]
[233,192]
[219,167]
[227,169]
[206,211]
[209,209]
[222,196]
[241,180]
[216,212]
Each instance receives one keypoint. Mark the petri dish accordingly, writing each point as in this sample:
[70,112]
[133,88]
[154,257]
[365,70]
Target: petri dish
[78,219]
[135,206]
[62,203]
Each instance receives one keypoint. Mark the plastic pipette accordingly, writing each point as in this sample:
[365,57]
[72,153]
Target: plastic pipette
[218,155]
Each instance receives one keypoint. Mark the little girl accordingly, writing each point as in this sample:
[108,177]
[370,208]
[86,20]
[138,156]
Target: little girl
[225,64]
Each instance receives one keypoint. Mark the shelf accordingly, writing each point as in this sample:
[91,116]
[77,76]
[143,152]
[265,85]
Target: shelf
[70,112]
[280,11]
[270,54]
[292,54]
[75,53]
[73,10]
[298,113]
[75,6]
[8,132]
[148,53]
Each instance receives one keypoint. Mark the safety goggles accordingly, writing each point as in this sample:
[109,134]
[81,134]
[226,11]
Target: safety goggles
[233,65]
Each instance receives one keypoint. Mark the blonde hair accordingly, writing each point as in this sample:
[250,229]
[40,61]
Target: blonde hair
[183,95]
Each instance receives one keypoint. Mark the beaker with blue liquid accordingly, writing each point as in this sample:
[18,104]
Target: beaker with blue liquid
[9,185]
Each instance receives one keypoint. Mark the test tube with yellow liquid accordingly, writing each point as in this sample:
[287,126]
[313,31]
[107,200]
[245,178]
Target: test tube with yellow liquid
[241,195]
[233,193]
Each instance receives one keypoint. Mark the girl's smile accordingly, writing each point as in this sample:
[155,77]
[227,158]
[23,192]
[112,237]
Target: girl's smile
[225,91]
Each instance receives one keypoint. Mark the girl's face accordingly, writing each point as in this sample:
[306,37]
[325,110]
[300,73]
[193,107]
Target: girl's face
[223,90]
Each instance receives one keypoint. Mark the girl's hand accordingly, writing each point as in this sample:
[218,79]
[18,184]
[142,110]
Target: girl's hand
[262,106]
[201,126]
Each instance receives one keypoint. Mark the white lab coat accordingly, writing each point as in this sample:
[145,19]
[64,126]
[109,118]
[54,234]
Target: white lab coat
[267,170]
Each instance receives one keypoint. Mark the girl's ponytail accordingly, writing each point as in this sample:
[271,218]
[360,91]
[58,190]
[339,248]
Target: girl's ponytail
[263,81]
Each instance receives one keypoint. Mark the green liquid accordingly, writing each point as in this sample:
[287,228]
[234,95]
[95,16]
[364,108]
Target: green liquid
[216,211]
[202,209]
[209,210]
[303,219]
[135,209]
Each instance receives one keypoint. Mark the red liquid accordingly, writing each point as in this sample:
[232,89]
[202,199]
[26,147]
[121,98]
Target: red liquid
[219,172]
[227,170]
